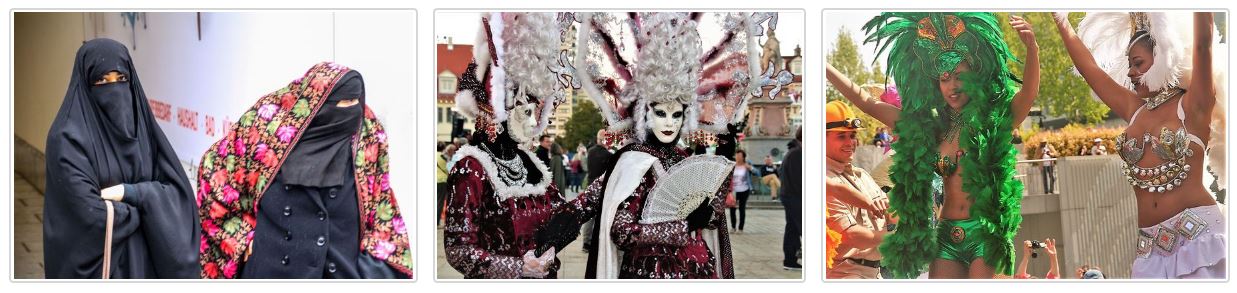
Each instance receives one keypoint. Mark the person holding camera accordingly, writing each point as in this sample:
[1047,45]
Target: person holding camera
[1030,249]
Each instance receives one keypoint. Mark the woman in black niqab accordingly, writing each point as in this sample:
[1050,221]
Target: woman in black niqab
[105,135]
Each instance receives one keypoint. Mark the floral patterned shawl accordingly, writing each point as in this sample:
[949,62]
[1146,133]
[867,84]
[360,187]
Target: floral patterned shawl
[236,171]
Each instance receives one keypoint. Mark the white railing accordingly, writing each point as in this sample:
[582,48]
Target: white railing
[1092,215]
[1031,173]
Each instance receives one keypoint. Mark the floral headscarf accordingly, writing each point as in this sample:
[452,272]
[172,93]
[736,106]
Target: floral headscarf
[236,171]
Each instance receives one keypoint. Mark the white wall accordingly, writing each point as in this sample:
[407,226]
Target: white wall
[240,57]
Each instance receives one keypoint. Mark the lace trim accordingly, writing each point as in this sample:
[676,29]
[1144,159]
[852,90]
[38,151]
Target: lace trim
[501,190]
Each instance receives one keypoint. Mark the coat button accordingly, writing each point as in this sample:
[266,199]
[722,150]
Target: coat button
[284,261]
[321,216]
[286,187]
[287,236]
[330,267]
[332,193]
[321,240]
[287,211]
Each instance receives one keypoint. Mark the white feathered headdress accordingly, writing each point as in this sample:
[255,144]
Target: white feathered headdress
[667,67]
[516,61]
[1109,36]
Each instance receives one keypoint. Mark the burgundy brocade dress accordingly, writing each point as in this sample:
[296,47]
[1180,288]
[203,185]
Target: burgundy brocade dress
[489,225]
[665,250]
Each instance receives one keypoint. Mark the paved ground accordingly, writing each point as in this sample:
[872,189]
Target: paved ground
[27,230]
[757,251]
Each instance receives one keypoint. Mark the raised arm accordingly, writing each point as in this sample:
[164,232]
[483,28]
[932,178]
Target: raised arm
[1117,97]
[1030,70]
[1202,94]
[1026,259]
[1054,267]
[883,112]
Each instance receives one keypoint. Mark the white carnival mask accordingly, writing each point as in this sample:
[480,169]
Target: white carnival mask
[522,122]
[666,120]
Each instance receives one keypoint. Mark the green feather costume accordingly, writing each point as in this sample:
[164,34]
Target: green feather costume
[922,46]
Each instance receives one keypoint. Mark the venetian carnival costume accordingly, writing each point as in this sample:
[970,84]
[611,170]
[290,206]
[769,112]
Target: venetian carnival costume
[634,239]
[921,47]
[1192,243]
[501,195]
[318,170]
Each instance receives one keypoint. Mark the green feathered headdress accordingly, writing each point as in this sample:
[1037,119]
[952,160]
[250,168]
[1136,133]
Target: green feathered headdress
[922,46]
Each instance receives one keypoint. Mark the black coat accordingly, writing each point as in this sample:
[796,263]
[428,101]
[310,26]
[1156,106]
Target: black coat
[791,175]
[310,233]
[598,161]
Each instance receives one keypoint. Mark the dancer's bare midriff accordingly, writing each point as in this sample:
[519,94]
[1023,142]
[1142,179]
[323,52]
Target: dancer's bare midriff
[957,203]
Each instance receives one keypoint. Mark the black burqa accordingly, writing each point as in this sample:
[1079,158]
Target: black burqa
[106,135]
[322,155]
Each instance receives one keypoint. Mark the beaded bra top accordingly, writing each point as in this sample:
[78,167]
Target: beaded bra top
[946,165]
[1171,146]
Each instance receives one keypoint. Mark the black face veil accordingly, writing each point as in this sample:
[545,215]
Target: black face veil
[103,136]
[321,158]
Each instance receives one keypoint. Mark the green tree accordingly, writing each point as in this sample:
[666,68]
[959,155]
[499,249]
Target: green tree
[845,57]
[1221,20]
[583,125]
[878,73]
[1061,91]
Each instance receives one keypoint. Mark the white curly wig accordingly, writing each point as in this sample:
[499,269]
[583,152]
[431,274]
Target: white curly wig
[668,70]
[525,44]
[668,65]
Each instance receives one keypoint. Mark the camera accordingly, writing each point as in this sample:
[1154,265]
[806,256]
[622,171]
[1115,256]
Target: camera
[1035,245]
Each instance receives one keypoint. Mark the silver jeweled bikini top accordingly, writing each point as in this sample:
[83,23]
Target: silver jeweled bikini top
[1172,146]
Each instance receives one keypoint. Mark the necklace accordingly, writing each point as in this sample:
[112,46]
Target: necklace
[1162,96]
[510,171]
[945,164]
[954,130]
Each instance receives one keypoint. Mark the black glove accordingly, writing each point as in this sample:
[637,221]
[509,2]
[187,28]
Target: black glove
[728,142]
[560,230]
[738,126]
[699,218]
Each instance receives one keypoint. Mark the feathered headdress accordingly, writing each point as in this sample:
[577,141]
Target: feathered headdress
[1109,36]
[667,67]
[517,61]
[923,46]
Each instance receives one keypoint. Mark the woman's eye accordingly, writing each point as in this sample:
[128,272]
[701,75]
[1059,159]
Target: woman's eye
[659,113]
[347,103]
[678,115]
[112,77]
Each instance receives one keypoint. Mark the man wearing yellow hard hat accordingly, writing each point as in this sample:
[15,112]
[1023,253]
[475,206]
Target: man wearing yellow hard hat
[856,205]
